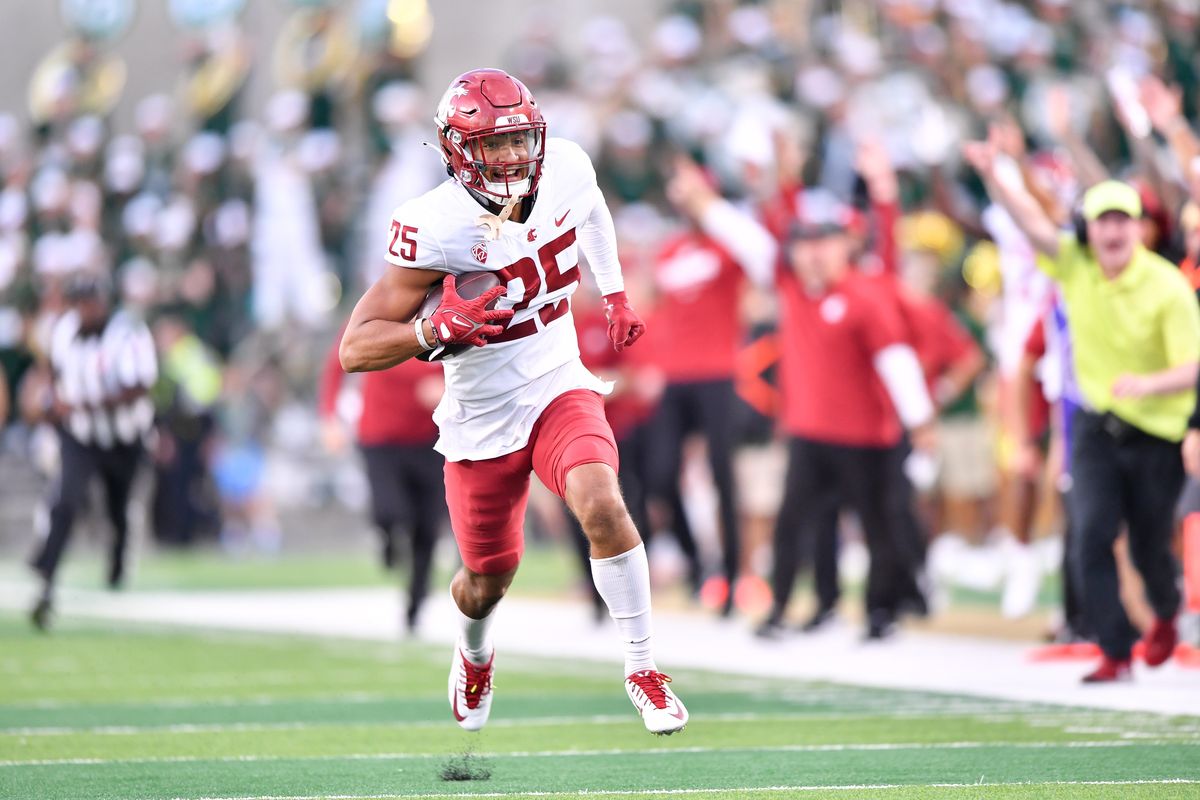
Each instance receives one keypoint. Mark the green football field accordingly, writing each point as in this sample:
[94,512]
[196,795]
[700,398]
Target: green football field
[137,712]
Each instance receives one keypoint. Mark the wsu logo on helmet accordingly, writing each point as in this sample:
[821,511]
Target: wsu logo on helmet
[445,109]
[480,252]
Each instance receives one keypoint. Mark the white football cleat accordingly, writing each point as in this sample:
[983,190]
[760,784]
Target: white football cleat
[662,712]
[470,690]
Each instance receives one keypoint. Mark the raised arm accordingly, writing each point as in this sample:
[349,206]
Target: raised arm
[1165,110]
[883,188]
[1008,190]
[1086,164]
[750,244]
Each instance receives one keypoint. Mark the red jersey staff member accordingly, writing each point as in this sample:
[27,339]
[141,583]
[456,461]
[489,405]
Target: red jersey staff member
[850,385]
[698,284]
[396,435]
[1135,334]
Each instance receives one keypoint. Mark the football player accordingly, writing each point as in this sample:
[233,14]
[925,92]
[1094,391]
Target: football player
[518,399]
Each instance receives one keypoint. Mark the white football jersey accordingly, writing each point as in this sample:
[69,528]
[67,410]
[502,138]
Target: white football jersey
[495,393]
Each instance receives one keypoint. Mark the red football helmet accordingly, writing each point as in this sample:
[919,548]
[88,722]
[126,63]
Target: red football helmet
[490,102]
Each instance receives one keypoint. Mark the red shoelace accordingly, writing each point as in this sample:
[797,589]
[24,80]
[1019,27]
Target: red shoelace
[478,681]
[651,683]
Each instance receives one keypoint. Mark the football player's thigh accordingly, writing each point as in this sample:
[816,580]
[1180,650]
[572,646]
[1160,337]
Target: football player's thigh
[572,431]
[487,510]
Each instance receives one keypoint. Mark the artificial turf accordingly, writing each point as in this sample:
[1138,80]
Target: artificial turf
[143,713]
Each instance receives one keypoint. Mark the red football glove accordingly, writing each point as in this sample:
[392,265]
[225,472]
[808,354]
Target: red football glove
[624,325]
[460,321]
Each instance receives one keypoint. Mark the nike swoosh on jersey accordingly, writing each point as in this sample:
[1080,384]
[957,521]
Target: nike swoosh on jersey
[558,222]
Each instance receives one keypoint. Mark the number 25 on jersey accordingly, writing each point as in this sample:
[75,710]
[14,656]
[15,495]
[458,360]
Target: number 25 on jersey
[406,235]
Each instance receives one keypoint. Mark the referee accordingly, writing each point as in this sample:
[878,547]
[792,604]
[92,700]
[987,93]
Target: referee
[1135,329]
[103,364]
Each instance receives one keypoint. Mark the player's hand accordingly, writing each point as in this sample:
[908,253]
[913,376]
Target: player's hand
[460,321]
[688,187]
[624,325]
[1163,104]
[333,437]
[1058,111]
[1132,386]
[1191,453]
[1027,461]
[1008,138]
[982,157]
[921,467]
[875,166]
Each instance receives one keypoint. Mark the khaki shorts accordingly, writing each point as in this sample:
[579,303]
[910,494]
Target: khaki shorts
[968,463]
[759,471]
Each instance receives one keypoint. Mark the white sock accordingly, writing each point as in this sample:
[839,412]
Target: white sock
[624,583]
[476,636]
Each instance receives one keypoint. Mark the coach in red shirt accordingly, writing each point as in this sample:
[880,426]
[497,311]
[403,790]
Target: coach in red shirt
[396,433]
[698,284]
[850,386]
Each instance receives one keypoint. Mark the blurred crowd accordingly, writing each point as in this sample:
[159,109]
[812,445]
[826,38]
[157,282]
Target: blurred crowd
[241,235]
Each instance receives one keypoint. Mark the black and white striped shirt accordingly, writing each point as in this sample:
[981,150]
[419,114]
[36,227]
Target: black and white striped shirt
[93,369]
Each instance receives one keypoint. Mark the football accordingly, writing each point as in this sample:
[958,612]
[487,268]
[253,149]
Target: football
[469,286]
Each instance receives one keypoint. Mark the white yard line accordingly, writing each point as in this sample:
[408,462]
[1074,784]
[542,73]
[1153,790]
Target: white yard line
[913,660]
[1069,722]
[517,722]
[787,748]
[731,790]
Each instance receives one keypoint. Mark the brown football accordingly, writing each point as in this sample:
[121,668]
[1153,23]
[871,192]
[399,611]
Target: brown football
[469,286]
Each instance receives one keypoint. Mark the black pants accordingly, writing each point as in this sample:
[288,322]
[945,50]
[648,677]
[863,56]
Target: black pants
[408,500]
[117,467]
[184,505]
[1121,474]
[821,478]
[1072,603]
[706,407]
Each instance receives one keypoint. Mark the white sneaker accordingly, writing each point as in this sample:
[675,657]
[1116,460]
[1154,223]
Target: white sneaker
[470,690]
[662,712]
[1022,583]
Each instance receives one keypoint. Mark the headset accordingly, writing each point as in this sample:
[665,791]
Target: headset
[1079,224]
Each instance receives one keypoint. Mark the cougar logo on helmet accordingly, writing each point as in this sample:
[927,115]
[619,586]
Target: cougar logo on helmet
[492,135]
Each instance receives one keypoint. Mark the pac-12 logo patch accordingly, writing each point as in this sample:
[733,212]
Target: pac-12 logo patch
[480,252]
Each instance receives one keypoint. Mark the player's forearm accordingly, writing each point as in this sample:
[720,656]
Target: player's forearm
[1026,212]
[958,378]
[380,344]
[900,372]
[1088,166]
[1022,398]
[746,240]
[1174,379]
[598,240]
[1185,147]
